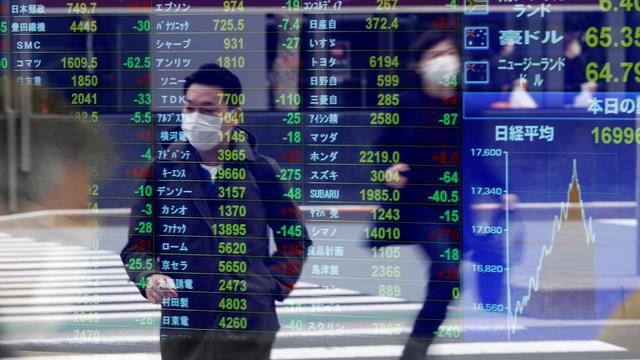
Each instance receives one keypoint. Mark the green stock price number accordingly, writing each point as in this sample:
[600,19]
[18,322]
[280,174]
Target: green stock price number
[611,73]
[140,264]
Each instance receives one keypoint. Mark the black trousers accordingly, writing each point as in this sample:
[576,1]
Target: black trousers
[212,346]
[439,294]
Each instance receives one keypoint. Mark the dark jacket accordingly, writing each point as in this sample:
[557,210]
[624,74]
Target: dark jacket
[213,239]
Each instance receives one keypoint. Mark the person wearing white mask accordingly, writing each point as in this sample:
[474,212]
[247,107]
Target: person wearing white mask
[202,120]
[437,67]
[227,311]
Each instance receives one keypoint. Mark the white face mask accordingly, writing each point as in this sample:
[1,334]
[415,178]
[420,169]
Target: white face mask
[202,131]
[434,71]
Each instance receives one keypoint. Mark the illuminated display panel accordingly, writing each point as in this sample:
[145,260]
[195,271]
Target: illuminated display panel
[330,179]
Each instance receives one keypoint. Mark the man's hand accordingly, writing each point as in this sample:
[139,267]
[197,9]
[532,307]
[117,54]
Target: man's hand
[397,181]
[160,286]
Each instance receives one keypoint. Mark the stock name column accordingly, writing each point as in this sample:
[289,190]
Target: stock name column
[203,219]
[323,68]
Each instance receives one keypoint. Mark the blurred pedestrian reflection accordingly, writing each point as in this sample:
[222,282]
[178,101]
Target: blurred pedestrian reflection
[60,148]
[437,65]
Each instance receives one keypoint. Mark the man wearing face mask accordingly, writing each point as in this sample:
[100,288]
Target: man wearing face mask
[437,63]
[207,260]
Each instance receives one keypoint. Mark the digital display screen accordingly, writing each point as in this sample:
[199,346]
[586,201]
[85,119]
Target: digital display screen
[322,179]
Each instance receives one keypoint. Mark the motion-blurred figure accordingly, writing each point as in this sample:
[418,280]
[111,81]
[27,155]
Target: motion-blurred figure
[437,65]
[60,149]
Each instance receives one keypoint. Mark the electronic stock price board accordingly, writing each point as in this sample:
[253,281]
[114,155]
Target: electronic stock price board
[479,153]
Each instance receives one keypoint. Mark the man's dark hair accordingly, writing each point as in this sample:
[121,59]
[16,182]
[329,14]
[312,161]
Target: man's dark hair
[215,75]
[428,40]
